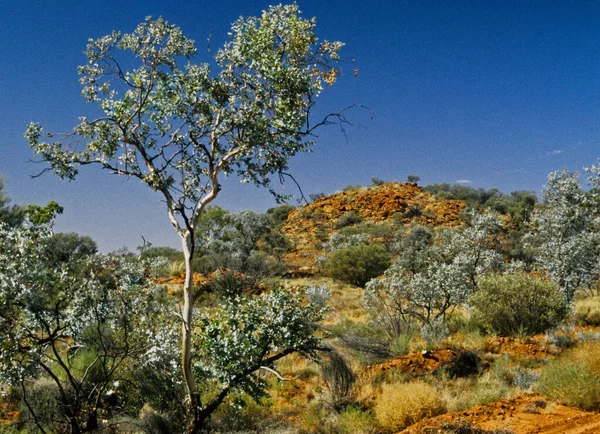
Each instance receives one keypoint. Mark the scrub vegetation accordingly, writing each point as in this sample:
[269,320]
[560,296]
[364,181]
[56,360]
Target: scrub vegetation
[365,311]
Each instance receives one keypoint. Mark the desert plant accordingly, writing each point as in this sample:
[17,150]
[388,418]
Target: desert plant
[349,219]
[572,383]
[358,264]
[339,380]
[355,420]
[402,404]
[587,311]
[565,236]
[351,187]
[516,303]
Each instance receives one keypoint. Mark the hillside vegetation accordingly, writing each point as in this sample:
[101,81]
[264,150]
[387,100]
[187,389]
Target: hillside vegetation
[322,319]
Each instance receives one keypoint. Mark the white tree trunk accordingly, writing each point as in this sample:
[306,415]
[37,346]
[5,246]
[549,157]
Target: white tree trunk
[186,336]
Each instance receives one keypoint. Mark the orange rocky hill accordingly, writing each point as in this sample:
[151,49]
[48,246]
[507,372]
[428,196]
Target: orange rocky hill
[396,203]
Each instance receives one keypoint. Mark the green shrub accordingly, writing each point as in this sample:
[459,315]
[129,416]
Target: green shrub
[358,264]
[513,304]
[572,383]
[351,187]
[349,219]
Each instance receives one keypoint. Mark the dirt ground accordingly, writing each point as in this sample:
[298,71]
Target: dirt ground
[529,413]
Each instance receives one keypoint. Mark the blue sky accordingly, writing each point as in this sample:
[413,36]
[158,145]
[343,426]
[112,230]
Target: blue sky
[495,93]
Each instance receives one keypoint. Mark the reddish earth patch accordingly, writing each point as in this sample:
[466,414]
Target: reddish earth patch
[8,414]
[416,364]
[525,414]
[533,348]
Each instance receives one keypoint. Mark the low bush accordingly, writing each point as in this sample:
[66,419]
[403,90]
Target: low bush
[348,219]
[358,264]
[572,383]
[402,404]
[517,304]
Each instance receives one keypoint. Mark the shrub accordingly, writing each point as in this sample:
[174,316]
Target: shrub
[402,404]
[572,383]
[516,303]
[358,264]
[587,311]
[348,219]
[351,187]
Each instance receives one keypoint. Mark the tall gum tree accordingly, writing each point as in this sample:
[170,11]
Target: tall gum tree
[180,126]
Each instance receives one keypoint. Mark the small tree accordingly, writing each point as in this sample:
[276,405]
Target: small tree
[179,127]
[433,274]
[81,324]
[565,235]
[413,178]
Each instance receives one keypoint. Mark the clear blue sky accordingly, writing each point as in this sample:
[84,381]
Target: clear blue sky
[495,93]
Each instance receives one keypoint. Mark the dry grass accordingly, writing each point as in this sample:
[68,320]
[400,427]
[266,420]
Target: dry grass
[587,311]
[402,404]
[176,268]
[355,420]
[589,354]
[463,393]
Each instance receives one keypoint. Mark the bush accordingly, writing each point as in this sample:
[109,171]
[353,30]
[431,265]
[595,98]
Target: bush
[402,404]
[358,264]
[513,304]
[348,219]
[572,383]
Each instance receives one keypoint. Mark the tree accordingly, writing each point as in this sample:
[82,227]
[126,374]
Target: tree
[434,273]
[79,324]
[413,178]
[565,236]
[180,127]
[11,215]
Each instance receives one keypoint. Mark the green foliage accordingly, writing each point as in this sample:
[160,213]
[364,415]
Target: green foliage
[351,187]
[80,325]
[10,215]
[414,249]
[316,196]
[349,219]
[413,178]
[279,214]
[433,274]
[377,182]
[179,126]
[42,215]
[565,237]
[248,333]
[61,248]
[358,264]
[515,304]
